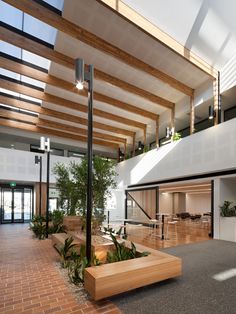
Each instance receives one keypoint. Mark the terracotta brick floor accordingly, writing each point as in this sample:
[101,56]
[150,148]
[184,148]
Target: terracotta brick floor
[30,281]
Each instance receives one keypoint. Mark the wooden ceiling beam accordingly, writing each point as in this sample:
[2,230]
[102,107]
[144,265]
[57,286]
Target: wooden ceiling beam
[21,124]
[133,17]
[56,114]
[57,57]
[39,12]
[68,128]
[54,81]
[52,124]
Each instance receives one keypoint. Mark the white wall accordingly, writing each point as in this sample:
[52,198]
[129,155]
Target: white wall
[202,152]
[19,166]
[198,203]
[224,228]
[210,150]
[166,203]
[228,75]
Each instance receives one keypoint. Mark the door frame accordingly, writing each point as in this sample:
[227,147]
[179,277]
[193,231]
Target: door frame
[17,187]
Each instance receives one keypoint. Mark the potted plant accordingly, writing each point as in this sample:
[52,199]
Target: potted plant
[226,210]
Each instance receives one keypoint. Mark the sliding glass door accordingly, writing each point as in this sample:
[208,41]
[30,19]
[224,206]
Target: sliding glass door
[16,204]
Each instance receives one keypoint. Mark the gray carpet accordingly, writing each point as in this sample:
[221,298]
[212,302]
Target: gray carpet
[196,291]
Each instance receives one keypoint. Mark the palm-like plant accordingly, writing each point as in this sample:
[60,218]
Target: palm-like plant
[65,250]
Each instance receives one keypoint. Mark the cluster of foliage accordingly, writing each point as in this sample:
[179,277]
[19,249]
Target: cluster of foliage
[38,224]
[226,210]
[75,262]
[176,137]
[72,185]
[122,252]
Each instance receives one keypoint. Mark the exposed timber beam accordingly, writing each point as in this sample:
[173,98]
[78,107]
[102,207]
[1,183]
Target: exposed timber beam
[54,81]
[69,128]
[42,130]
[192,115]
[57,114]
[133,148]
[57,57]
[156,33]
[39,12]
[172,119]
[52,124]
[216,97]
[157,131]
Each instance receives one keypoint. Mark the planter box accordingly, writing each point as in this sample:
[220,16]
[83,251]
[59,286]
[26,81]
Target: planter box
[111,279]
[72,223]
[100,250]
[228,228]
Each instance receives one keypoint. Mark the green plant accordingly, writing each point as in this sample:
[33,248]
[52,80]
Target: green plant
[122,252]
[226,210]
[176,137]
[68,196]
[38,226]
[65,251]
[78,263]
[146,148]
[56,218]
[72,185]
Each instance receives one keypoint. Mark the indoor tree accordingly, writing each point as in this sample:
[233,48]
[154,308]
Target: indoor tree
[72,185]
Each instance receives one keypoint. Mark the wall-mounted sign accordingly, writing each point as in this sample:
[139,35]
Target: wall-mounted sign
[12,184]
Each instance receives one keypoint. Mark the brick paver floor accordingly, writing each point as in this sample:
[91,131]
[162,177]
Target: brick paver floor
[30,281]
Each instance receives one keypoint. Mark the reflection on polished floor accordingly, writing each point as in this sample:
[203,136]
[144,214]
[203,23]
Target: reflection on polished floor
[184,232]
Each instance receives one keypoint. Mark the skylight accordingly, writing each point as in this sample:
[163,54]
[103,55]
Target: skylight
[29,25]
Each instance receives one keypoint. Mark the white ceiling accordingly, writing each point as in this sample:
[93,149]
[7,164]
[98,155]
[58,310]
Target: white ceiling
[207,27]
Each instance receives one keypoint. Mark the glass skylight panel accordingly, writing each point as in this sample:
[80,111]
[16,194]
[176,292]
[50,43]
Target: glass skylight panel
[24,97]
[39,29]
[10,49]
[33,82]
[34,59]
[10,74]
[56,3]
[10,15]
[6,91]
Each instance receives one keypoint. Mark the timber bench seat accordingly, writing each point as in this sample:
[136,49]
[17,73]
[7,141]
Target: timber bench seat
[58,239]
[114,278]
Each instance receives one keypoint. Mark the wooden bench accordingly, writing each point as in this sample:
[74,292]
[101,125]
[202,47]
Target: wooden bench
[100,250]
[58,239]
[114,278]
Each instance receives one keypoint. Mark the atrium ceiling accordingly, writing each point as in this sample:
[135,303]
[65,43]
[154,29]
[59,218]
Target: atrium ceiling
[139,83]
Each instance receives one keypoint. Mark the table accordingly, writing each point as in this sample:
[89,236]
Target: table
[163,215]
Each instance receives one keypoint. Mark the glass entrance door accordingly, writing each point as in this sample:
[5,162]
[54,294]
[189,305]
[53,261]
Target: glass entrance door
[18,208]
[7,204]
[16,204]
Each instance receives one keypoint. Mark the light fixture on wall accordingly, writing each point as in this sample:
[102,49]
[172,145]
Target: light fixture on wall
[82,76]
[140,145]
[38,160]
[169,132]
[121,155]
[45,148]
[79,73]
[212,112]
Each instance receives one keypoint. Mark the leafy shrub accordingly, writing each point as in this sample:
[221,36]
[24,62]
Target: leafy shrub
[226,210]
[65,251]
[38,226]
[56,219]
[78,263]
[122,252]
